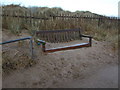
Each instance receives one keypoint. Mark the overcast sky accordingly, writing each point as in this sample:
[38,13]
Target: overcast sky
[103,7]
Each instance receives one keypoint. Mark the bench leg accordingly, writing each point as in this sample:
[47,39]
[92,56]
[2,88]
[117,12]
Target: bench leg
[90,41]
[43,48]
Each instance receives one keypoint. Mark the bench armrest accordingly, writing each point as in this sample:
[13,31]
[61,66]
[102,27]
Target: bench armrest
[87,36]
[43,44]
[90,38]
[41,41]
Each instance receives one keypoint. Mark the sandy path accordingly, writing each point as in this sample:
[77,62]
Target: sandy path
[106,77]
[71,68]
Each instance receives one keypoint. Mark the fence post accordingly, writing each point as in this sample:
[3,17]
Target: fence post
[30,16]
[99,20]
[26,18]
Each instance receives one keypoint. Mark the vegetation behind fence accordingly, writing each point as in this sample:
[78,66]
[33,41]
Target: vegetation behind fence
[17,18]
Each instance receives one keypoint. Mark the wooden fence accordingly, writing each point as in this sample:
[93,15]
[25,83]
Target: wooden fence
[98,18]
[37,21]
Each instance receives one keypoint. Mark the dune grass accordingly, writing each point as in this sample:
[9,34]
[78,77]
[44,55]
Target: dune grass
[106,31]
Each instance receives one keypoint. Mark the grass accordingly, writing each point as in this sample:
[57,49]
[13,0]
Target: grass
[106,31]
[14,28]
[10,64]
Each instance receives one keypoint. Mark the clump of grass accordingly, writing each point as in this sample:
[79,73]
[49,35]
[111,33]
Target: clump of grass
[103,33]
[114,41]
[14,28]
[100,35]
[9,64]
[32,29]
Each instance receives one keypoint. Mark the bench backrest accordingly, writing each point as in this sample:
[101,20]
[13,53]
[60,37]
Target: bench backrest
[56,36]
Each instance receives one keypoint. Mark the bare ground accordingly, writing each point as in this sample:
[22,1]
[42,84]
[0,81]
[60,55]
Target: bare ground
[92,67]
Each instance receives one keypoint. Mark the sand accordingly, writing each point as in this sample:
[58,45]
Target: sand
[88,67]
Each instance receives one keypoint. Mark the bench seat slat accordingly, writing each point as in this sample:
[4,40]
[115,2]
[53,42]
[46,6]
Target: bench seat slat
[67,47]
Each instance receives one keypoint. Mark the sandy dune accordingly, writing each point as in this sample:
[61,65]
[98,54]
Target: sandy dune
[93,67]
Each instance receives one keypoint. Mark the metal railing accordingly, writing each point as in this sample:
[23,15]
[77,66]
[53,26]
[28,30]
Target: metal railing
[16,40]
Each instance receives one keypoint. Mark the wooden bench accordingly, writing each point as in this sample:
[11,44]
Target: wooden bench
[57,36]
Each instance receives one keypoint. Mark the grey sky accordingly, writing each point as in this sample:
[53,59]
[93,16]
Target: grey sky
[103,7]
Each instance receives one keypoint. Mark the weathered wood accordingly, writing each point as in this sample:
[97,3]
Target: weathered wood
[56,31]
[68,47]
[67,39]
[86,36]
[90,38]
[64,39]
[85,17]
[62,36]
[23,16]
